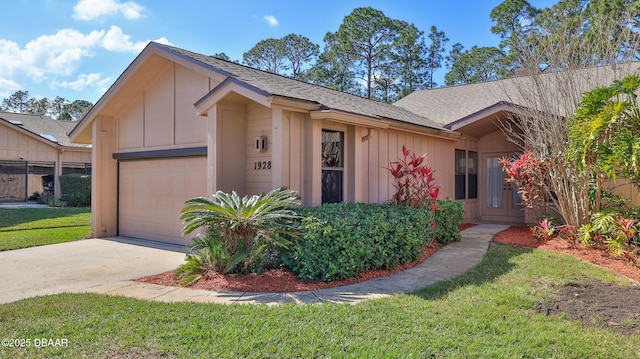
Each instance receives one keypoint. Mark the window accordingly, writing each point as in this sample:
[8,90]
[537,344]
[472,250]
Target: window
[332,166]
[472,174]
[466,176]
[461,174]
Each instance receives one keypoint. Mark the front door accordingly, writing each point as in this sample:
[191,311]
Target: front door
[501,200]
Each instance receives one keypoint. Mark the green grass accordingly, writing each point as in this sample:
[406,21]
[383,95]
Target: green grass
[489,312]
[28,227]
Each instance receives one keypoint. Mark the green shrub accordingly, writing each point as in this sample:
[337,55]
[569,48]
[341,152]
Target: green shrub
[238,234]
[341,240]
[76,190]
[449,216]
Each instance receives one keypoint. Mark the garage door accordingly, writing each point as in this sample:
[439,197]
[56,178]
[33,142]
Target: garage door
[152,193]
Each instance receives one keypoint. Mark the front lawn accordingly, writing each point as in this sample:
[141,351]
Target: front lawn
[29,227]
[489,312]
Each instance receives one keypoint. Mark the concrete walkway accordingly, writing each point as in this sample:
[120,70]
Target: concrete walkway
[450,261]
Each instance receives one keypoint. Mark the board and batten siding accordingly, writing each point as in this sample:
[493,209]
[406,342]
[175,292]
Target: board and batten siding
[385,146]
[292,149]
[15,145]
[162,115]
[259,123]
[70,155]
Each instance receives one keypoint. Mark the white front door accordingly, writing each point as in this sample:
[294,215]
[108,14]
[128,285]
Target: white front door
[501,201]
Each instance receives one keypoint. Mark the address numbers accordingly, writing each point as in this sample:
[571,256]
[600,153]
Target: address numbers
[262,165]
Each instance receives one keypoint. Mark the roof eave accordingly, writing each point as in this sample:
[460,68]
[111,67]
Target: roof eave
[231,85]
[348,118]
[483,113]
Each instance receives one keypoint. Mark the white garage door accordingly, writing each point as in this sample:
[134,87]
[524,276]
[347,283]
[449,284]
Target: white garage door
[152,193]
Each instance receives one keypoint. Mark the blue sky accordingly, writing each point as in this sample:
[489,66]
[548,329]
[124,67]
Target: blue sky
[77,48]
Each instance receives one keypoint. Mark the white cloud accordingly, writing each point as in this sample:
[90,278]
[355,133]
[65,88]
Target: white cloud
[117,41]
[271,20]
[93,80]
[87,10]
[7,86]
[60,54]
[53,58]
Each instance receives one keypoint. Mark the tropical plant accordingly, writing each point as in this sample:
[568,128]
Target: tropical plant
[205,256]
[414,181]
[239,234]
[611,229]
[603,132]
[544,230]
[531,176]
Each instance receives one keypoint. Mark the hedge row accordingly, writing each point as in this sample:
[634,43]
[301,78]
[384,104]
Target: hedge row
[76,190]
[344,239]
[449,216]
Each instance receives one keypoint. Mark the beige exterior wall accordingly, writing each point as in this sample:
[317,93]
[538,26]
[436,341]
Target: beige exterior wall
[290,173]
[158,117]
[104,179]
[18,146]
[366,177]
[162,116]
[83,155]
[156,113]
[258,166]
[232,149]
[15,146]
[385,146]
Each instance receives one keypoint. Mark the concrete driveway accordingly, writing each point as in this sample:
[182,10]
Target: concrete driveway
[78,266]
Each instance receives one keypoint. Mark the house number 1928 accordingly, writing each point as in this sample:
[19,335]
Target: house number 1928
[262,165]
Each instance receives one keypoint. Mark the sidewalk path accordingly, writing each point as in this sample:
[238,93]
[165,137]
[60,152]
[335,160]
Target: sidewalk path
[450,261]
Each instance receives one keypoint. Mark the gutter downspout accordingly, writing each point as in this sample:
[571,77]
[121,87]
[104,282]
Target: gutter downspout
[367,137]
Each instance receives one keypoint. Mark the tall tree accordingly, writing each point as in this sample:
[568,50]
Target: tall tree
[299,50]
[332,69]
[77,109]
[19,102]
[222,56]
[386,87]
[366,36]
[268,55]
[479,64]
[58,106]
[582,44]
[435,54]
[514,20]
[547,38]
[409,53]
[40,107]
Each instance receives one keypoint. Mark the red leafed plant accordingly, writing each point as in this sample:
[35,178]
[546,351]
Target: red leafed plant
[531,176]
[414,181]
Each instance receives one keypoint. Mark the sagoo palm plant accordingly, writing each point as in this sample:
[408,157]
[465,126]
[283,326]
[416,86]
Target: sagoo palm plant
[237,234]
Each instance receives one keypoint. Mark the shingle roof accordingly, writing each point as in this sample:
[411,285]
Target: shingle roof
[42,126]
[449,104]
[278,85]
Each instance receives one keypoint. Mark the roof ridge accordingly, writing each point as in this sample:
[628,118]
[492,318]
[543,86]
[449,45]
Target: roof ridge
[285,86]
[275,74]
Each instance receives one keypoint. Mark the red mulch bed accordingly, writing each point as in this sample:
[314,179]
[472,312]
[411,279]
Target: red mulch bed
[283,280]
[520,235]
[278,280]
